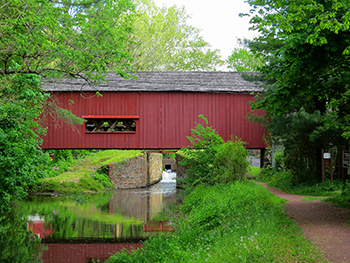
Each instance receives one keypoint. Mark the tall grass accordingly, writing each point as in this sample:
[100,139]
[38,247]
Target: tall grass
[285,181]
[235,222]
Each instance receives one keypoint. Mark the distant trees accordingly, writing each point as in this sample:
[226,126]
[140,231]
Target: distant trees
[162,40]
[243,59]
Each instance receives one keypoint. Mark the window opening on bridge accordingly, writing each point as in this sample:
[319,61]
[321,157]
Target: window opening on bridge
[110,125]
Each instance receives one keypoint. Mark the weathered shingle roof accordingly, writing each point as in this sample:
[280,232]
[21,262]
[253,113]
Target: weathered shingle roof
[161,81]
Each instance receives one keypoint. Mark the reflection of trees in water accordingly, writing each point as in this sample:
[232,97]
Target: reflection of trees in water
[143,203]
[68,226]
[86,228]
[117,214]
[17,244]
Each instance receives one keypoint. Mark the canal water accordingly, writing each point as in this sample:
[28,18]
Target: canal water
[89,228]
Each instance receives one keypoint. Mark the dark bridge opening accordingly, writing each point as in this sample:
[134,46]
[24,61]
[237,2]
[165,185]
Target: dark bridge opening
[110,124]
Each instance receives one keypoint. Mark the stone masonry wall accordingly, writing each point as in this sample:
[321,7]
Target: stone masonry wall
[136,172]
[131,173]
[180,170]
[155,167]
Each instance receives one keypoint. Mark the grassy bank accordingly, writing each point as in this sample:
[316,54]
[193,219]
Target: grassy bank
[284,180]
[85,174]
[235,222]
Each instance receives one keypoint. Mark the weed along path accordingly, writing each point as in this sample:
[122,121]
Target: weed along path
[324,225]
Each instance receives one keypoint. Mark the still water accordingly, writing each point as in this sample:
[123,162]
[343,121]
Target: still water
[88,228]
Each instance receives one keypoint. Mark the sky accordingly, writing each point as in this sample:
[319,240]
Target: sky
[218,20]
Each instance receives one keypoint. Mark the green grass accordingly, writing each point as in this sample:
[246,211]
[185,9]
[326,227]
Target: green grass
[77,177]
[341,200]
[254,171]
[284,181]
[312,198]
[236,222]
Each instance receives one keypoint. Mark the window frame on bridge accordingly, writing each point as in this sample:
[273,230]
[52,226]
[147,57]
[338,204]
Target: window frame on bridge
[112,122]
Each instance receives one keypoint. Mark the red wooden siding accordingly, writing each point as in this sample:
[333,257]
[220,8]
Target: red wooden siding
[165,119]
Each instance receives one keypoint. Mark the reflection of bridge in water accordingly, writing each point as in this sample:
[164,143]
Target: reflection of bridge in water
[158,226]
[86,239]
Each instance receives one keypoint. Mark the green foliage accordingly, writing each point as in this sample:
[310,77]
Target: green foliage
[281,179]
[242,59]
[116,156]
[171,155]
[177,47]
[63,155]
[279,160]
[210,160]
[203,137]
[21,160]
[342,199]
[231,161]
[87,44]
[44,38]
[90,184]
[60,163]
[66,175]
[199,158]
[64,114]
[285,181]
[17,242]
[306,67]
[101,175]
[235,222]
[56,168]
[254,171]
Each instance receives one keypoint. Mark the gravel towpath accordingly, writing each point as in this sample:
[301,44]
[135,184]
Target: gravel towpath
[325,226]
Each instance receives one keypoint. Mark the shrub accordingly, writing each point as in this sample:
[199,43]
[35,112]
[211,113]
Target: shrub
[278,160]
[49,186]
[101,175]
[210,160]
[65,155]
[90,184]
[274,177]
[204,137]
[230,161]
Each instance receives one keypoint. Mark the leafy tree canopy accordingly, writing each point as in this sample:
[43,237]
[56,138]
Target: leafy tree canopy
[21,160]
[306,48]
[84,38]
[65,37]
[243,59]
[307,45]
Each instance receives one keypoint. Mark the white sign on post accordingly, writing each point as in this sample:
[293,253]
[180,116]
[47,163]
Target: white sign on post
[327,156]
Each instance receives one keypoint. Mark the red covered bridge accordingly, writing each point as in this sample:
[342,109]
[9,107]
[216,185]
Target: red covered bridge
[155,111]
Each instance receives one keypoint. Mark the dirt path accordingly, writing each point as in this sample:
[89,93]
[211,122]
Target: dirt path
[324,225]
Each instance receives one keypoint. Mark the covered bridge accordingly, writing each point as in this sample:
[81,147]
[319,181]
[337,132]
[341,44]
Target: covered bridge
[155,111]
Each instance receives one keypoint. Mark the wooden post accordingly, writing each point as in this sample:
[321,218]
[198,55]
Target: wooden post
[262,157]
[346,164]
[327,161]
[331,164]
[322,166]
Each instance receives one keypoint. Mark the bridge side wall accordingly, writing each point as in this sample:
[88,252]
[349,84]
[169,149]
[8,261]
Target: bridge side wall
[163,119]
